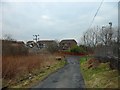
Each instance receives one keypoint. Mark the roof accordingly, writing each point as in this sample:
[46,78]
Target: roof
[30,42]
[68,40]
[46,41]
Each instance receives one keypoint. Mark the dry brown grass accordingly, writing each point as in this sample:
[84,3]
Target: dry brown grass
[15,68]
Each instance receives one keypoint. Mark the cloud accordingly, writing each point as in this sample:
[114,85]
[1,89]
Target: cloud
[108,13]
[46,20]
[58,0]
[45,17]
[53,20]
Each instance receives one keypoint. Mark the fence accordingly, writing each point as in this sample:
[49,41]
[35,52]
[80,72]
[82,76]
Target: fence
[108,53]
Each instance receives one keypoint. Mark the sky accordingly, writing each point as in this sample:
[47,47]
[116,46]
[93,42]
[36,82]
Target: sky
[54,19]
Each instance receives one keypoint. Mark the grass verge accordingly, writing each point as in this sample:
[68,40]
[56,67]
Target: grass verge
[100,77]
[40,76]
[25,71]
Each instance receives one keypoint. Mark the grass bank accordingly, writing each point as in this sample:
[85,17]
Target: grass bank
[100,77]
[26,71]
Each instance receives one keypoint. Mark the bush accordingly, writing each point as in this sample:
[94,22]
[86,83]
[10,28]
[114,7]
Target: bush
[77,49]
[11,48]
[52,48]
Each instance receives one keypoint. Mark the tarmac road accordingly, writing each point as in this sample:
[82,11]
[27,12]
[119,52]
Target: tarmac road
[67,77]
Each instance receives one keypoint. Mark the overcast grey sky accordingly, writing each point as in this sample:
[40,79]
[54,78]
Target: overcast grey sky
[54,20]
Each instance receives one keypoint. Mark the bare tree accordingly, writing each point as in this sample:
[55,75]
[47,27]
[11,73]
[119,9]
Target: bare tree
[104,36]
[91,37]
[107,36]
[8,37]
[105,43]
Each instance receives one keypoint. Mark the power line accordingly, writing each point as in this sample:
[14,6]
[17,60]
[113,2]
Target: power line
[96,14]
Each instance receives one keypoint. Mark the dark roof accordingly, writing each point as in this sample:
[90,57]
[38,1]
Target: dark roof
[46,41]
[68,40]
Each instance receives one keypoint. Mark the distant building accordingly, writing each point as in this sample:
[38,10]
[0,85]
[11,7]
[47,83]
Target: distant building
[67,44]
[30,44]
[46,43]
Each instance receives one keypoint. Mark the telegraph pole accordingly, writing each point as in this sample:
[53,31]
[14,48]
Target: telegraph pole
[36,37]
[85,46]
[110,33]
[110,23]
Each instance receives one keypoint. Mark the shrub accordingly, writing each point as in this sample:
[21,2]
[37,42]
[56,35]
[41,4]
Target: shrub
[12,48]
[52,48]
[77,49]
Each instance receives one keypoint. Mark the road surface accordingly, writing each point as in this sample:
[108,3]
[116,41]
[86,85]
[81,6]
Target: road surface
[67,77]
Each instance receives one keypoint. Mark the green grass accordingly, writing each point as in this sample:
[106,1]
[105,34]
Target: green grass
[40,76]
[100,77]
[84,59]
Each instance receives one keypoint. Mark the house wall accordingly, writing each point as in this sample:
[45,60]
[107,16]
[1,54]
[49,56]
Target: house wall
[46,44]
[65,45]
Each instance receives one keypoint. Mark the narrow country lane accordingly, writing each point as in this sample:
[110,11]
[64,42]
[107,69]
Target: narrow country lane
[67,77]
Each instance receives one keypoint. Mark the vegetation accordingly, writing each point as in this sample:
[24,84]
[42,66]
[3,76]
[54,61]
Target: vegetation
[100,77]
[105,44]
[53,48]
[23,71]
[76,49]
[100,36]
[13,48]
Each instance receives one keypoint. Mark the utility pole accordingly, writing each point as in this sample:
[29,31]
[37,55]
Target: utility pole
[110,23]
[85,46]
[36,37]
[110,33]
[103,27]
[118,43]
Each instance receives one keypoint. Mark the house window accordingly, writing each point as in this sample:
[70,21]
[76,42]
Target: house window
[66,44]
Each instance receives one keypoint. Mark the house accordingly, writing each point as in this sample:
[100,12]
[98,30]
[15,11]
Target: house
[30,44]
[67,44]
[46,43]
